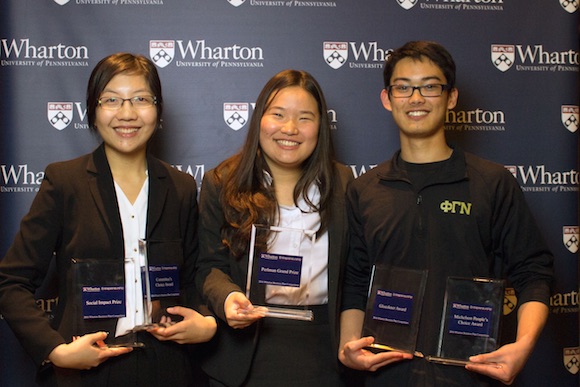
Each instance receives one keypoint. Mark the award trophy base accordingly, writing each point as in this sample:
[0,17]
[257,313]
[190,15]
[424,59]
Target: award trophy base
[377,348]
[277,312]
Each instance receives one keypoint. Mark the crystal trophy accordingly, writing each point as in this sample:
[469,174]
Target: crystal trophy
[99,299]
[159,275]
[470,320]
[394,308]
[279,267]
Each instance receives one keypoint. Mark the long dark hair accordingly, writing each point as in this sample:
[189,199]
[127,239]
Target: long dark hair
[245,197]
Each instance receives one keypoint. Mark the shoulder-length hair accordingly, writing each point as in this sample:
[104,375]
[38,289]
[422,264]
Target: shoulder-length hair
[246,197]
[121,63]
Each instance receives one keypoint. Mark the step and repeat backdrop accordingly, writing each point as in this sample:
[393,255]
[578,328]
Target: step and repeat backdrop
[518,104]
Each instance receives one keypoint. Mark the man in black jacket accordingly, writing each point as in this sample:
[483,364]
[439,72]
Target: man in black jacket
[436,208]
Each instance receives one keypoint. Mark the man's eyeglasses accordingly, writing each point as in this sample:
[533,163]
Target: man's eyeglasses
[405,91]
[139,102]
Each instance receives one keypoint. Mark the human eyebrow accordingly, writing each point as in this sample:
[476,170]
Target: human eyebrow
[133,92]
[274,107]
[424,79]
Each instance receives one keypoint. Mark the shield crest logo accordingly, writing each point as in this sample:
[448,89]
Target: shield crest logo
[59,114]
[570,117]
[571,359]
[510,301]
[236,3]
[61,2]
[236,114]
[569,6]
[570,235]
[503,56]
[161,52]
[335,53]
[407,4]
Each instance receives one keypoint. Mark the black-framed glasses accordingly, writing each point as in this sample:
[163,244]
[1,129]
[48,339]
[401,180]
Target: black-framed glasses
[139,102]
[405,91]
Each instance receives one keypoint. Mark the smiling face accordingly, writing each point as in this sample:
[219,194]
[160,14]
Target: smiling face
[418,116]
[289,129]
[126,131]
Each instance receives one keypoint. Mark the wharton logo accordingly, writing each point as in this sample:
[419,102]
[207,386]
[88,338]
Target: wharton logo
[540,179]
[199,53]
[477,119]
[61,2]
[570,236]
[23,52]
[503,56]
[236,114]
[284,3]
[407,4]
[572,359]
[335,53]
[454,5]
[161,52]
[569,6]
[570,117]
[533,58]
[19,178]
[365,55]
[564,303]
[196,171]
[59,114]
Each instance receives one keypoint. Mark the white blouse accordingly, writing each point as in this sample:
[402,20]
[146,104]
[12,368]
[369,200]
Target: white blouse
[134,222]
[316,293]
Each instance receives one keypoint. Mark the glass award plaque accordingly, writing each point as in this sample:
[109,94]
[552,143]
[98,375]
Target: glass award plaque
[101,297]
[470,320]
[279,268]
[98,298]
[159,275]
[394,308]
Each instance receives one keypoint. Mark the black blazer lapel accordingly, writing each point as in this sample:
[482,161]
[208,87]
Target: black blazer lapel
[102,190]
[158,191]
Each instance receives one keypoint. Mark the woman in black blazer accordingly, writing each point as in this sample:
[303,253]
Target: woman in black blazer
[285,175]
[96,208]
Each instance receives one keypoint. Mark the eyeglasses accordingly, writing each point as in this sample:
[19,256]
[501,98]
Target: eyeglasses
[405,91]
[139,102]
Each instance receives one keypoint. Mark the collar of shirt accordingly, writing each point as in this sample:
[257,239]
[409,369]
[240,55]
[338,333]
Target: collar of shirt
[313,194]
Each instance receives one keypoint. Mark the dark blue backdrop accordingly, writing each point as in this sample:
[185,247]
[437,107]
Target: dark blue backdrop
[517,77]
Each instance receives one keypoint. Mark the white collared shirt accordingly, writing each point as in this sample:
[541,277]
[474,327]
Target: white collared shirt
[302,217]
[134,222]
